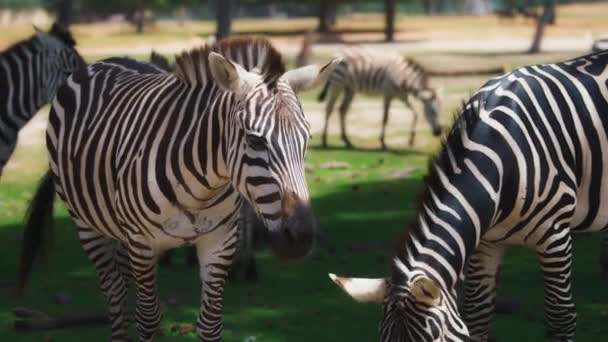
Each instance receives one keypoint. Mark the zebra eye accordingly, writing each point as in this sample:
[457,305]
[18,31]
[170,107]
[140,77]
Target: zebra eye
[255,142]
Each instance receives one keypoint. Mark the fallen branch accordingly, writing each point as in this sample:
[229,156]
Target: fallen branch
[32,320]
[494,70]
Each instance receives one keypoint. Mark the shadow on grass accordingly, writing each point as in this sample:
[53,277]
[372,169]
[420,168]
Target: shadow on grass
[360,220]
[291,302]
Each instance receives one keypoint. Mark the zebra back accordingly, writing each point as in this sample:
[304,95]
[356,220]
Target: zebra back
[30,73]
[367,71]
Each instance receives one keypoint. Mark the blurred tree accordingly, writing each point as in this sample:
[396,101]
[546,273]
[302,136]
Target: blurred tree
[139,16]
[389,22]
[327,15]
[62,10]
[224,18]
[541,22]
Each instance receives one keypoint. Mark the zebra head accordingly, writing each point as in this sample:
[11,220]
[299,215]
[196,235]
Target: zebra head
[432,107]
[415,310]
[59,57]
[266,156]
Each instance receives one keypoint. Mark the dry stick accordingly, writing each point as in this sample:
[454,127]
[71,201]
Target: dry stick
[468,72]
[31,320]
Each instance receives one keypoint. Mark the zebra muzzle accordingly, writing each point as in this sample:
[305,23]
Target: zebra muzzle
[294,239]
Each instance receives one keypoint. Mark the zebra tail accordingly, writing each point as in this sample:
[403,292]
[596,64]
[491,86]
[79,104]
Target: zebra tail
[323,92]
[38,230]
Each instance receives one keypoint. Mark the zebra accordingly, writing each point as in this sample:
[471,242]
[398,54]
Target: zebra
[392,76]
[156,160]
[30,72]
[524,163]
[245,263]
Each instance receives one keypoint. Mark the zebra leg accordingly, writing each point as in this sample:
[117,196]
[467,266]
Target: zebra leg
[480,289]
[143,268]
[409,106]
[387,106]
[349,94]
[216,252]
[413,129]
[124,266]
[101,251]
[331,102]
[556,263]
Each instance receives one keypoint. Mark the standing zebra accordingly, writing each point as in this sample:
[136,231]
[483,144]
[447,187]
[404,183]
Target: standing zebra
[392,77]
[525,163]
[30,72]
[156,160]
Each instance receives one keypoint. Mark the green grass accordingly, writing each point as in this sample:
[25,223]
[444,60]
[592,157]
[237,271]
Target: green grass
[360,209]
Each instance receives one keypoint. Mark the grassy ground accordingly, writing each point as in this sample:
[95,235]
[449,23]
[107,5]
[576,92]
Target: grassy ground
[361,210]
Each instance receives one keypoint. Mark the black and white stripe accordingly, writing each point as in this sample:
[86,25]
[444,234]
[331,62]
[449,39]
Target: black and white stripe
[245,265]
[526,163]
[391,76]
[30,72]
[159,160]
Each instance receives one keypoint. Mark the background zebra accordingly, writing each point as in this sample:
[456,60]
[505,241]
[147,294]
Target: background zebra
[392,77]
[250,227]
[161,61]
[157,160]
[525,163]
[30,72]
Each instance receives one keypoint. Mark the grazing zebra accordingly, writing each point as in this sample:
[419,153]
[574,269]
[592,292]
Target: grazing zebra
[525,163]
[30,72]
[158,160]
[245,263]
[392,77]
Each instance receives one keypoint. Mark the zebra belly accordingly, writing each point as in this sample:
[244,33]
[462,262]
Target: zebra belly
[180,226]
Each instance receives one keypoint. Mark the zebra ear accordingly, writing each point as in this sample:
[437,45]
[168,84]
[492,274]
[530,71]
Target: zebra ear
[425,290]
[363,290]
[230,76]
[310,76]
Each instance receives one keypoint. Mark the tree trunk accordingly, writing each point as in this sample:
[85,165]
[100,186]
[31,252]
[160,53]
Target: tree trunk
[224,18]
[428,6]
[389,23]
[551,20]
[327,15]
[64,12]
[542,21]
[139,16]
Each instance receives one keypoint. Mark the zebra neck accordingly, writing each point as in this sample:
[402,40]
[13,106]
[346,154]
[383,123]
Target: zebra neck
[453,215]
[200,146]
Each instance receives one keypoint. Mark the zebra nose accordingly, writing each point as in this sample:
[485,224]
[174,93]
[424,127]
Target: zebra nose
[295,238]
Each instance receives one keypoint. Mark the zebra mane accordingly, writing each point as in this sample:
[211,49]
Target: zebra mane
[63,34]
[418,68]
[464,119]
[250,53]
